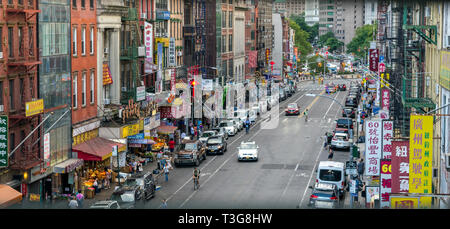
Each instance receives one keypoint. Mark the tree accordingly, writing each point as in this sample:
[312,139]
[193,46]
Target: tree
[301,39]
[361,42]
[313,31]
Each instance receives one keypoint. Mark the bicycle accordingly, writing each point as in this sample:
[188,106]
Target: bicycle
[196,183]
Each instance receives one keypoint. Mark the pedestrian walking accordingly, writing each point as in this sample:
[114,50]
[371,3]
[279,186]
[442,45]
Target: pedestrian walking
[363,193]
[163,204]
[171,145]
[192,132]
[166,172]
[330,154]
[183,135]
[80,199]
[109,178]
[95,185]
[73,204]
[134,166]
[360,167]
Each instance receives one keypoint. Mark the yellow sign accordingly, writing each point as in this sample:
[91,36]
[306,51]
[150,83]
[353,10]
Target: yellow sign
[384,80]
[404,202]
[163,40]
[444,77]
[86,136]
[130,130]
[34,107]
[421,156]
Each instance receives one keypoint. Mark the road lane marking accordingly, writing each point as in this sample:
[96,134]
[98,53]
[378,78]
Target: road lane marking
[311,104]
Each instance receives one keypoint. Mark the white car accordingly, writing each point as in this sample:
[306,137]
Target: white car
[252,116]
[248,151]
[229,127]
[239,124]
[256,107]
[340,141]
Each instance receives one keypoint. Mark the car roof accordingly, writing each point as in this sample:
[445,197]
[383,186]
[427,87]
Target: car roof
[341,134]
[104,202]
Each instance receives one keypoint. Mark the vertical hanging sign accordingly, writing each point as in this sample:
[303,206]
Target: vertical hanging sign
[388,132]
[385,182]
[172,60]
[4,141]
[373,148]
[373,60]
[148,37]
[400,167]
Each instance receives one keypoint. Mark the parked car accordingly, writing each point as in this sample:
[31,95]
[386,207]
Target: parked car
[350,103]
[105,204]
[341,141]
[288,91]
[256,107]
[350,111]
[216,145]
[324,195]
[292,109]
[282,95]
[344,122]
[241,115]
[221,132]
[339,130]
[145,182]
[252,116]
[207,134]
[248,151]
[191,152]
[126,196]
[239,124]
[229,127]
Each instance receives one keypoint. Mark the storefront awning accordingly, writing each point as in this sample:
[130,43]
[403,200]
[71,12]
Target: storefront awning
[9,196]
[97,149]
[166,129]
[68,166]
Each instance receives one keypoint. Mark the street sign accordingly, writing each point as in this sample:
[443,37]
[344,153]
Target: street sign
[4,141]
[350,167]
[353,187]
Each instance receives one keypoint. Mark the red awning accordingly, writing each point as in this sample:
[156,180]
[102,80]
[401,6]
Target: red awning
[97,149]
[9,196]
[166,129]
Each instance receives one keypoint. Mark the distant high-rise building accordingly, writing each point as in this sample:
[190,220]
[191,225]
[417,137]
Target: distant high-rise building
[370,11]
[311,12]
[289,7]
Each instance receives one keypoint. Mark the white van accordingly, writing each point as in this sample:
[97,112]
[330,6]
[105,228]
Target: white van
[332,172]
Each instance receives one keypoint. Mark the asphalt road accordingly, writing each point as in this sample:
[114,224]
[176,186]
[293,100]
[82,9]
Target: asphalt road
[288,156]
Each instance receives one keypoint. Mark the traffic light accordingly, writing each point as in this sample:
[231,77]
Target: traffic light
[193,87]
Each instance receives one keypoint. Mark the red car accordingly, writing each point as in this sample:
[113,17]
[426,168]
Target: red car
[292,109]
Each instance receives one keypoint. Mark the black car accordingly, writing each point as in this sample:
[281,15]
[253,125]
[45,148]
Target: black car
[127,196]
[216,145]
[145,182]
[342,87]
[344,122]
[351,103]
[350,111]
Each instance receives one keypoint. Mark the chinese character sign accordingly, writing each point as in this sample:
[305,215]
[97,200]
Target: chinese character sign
[47,149]
[385,96]
[373,60]
[388,132]
[421,155]
[400,167]
[373,148]
[385,182]
[404,202]
[4,141]
[148,36]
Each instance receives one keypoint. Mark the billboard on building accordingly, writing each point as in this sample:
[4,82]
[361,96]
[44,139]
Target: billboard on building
[400,166]
[421,156]
[385,182]
[34,107]
[373,60]
[388,134]
[373,147]
[4,141]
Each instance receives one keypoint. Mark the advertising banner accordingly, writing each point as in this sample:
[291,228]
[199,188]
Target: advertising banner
[373,147]
[388,134]
[47,149]
[385,182]
[172,60]
[372,193]
[421,156]
[401,202]
[373,60]
[385,96]
[4,141]
[107,78]
[148,37]
[140,93]
[34,107]
[400,166]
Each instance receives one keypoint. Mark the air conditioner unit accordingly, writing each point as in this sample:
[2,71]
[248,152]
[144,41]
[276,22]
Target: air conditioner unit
[124,88]
[144,15]
[1,108]
[106,101]
[106,50]
[1,55]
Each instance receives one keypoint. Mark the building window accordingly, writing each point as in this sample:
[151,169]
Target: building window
[75,89]
[83,41]
[224,19]
[74,3]
[83,92]
[230,43]
[20,38]
[230,19]
[30,41]
[224,44]
[11,95]
[30,3]
[83,4]
[91,4]
[74,41]
[91,42]
[1,39]
[91,91]
[21,91]
[12,139]
[11,41]
[1,93]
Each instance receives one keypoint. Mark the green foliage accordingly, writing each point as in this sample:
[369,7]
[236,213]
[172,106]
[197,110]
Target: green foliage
[361,42]
[301,39]
[313,31]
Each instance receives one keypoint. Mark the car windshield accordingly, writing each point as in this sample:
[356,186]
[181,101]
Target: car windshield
[214,141]
[133,182]
[123,197]
[226,124]
[248,146]
[343,122]
[208,134]
[189,146]
[292,106]
[330,175]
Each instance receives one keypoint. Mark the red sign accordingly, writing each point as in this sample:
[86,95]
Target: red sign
[385,96]
[24,189]
[373,60]
[400,166]
[381,67]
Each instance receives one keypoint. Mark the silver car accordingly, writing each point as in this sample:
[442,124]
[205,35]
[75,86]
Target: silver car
[229,127]
[207,134]
[238,123]
[340,141]
[105,204]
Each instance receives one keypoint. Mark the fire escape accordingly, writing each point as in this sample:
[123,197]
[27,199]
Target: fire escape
[26,63]
[411,57]
[200,36]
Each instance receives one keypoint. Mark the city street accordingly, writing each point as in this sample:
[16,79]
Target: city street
[280,178]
